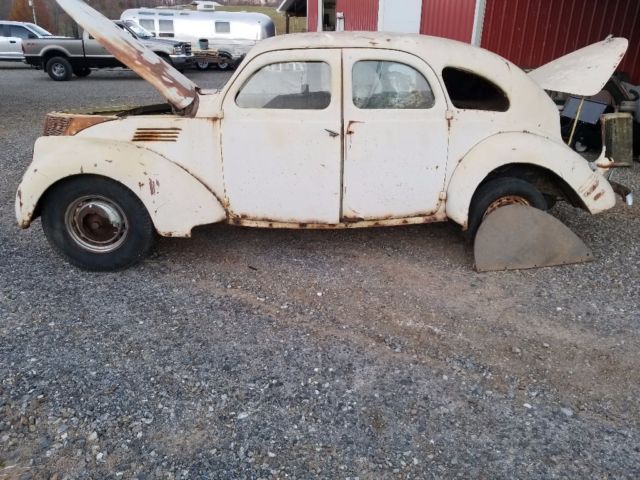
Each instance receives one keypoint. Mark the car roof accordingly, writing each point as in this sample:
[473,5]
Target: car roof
[392,41]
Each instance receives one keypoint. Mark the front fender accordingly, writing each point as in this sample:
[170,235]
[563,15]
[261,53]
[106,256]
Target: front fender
[176,200]
[524,148]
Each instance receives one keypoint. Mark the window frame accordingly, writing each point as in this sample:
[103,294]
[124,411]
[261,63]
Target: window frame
[215,27]
[252,75]
[404,64]
[490,81]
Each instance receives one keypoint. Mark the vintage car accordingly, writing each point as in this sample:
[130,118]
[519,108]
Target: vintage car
[328,130]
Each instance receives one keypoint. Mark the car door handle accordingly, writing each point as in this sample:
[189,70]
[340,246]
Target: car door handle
[12,41]
[332,133]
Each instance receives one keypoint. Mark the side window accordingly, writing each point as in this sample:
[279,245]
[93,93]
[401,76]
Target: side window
[470,91]
[19,32]
[291,85]
[390,85]
[165,28]
[148,24]
[223,27]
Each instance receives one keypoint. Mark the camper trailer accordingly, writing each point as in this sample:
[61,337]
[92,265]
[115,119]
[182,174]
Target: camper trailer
[230,35]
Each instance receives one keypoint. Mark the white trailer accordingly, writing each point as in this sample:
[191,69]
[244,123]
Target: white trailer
[229,34]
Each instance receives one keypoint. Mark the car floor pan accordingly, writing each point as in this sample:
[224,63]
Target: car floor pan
[519,237]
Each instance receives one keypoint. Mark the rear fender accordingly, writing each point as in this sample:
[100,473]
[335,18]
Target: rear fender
[510,148]
[175,199]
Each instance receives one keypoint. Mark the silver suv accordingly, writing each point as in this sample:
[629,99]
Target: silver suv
[11,36]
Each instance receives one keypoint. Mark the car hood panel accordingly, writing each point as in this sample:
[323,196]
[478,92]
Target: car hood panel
[175,87]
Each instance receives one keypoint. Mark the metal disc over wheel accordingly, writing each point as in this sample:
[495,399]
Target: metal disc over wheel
[96,224]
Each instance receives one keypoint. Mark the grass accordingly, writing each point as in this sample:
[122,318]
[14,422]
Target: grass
[298,24]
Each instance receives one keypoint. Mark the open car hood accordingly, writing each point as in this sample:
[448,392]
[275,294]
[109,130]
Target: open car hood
[175,87]
[583,72]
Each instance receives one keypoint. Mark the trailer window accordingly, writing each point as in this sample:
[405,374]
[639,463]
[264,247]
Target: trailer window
[470,91]
[223,27]
[379,85]
[165,28]
[291,85]
[148,24]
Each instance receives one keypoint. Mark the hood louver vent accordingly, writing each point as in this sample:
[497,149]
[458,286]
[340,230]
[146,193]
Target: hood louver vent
[157,134]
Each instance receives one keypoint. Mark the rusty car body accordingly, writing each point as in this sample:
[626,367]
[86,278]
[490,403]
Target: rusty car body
[327,130]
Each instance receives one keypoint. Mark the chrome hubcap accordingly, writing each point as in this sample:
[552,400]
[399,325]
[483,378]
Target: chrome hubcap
[58,69]
[96,224]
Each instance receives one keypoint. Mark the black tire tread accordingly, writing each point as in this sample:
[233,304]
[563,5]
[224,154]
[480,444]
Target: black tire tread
[135,248]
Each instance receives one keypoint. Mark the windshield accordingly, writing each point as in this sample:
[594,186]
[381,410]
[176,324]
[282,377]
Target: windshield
[137,29]
[39,30]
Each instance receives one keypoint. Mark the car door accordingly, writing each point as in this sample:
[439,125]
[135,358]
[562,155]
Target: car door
[95,54]
[281,142]
[396,136]
[11,46]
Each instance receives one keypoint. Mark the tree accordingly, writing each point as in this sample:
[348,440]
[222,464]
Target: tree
[21,12]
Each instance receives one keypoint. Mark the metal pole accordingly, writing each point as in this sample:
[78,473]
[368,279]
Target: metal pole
[478,23]
[33,10]
[575,122]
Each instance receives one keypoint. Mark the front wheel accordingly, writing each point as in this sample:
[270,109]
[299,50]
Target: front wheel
[97,223]
[59,69]
[499,192]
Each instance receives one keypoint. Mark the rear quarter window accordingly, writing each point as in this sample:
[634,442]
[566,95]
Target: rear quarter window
[470,91]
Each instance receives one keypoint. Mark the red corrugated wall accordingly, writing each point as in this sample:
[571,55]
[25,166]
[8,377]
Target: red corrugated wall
[448,18]
[531,33]
[359,14]
[312,15]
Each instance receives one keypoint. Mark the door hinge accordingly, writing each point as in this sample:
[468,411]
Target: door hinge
[442,196]
[448,115]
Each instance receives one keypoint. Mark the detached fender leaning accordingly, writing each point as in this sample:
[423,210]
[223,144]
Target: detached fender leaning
[176,201]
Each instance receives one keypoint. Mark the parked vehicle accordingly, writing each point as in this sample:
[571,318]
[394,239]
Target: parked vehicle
[11,36]
[231,34]
[63,57]
[321,131]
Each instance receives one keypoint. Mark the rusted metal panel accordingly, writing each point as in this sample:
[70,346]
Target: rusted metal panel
[359,15]
[516,237]
[175,87]
[448,18]
[531,33]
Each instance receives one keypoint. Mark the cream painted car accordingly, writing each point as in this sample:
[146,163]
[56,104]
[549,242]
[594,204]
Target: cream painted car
[329,130]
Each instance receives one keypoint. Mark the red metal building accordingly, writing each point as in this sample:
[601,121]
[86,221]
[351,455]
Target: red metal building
[527,32]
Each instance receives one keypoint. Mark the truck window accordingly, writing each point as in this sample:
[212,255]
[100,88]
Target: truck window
[390,86]
[165,28]
[20,32]
[223,27]
[290,85]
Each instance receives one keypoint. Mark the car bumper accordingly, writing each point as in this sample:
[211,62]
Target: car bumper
[182,61]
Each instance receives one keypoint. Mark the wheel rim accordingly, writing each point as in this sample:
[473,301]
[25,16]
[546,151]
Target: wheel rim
[203,65]
[507,200]
[96,224]
[58,69]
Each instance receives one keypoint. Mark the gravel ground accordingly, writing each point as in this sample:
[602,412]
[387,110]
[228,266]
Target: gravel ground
[304,354]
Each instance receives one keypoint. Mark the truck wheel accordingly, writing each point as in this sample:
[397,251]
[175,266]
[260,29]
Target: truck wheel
[202,65]
[59,69]
[82,72]
[225,63]
[97,223]
[497,193]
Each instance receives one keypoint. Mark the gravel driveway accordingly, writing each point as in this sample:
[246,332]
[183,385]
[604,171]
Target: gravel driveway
[366,354]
